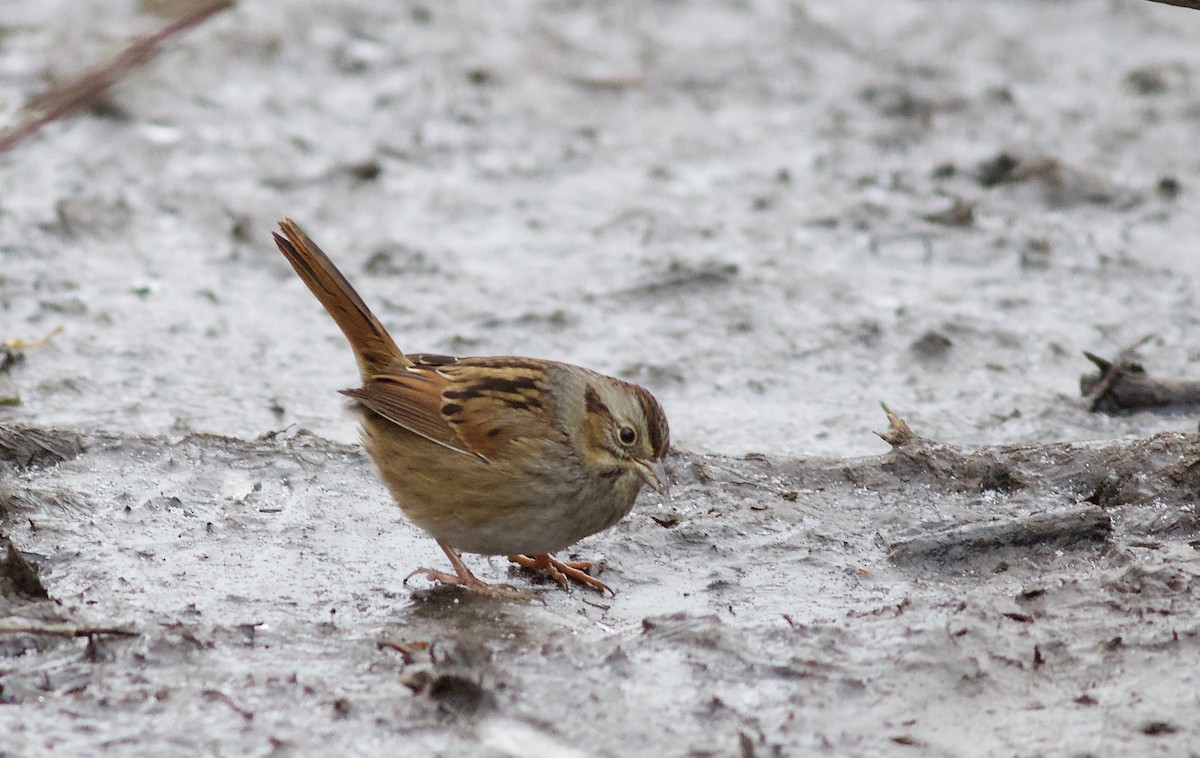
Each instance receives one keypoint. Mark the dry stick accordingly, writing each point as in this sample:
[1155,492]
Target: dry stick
[16,343]
[66,630]
[1076,523]
[1193,4]
[1123,385]
[88,86]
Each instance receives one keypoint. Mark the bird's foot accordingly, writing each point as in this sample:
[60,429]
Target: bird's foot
[562,571]
[462,577]
[472,584]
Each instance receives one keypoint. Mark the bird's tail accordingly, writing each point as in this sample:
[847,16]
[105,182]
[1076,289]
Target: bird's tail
[373,347]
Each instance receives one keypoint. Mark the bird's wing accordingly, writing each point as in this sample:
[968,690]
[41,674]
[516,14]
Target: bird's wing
[475,406]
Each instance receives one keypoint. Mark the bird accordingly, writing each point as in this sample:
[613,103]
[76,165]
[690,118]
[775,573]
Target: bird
[509,456]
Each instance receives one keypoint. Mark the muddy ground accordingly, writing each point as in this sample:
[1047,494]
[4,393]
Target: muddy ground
[774,215]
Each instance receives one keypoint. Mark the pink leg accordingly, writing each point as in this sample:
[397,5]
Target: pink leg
[462,577]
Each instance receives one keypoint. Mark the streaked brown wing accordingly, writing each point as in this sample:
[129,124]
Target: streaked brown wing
[475,406]
[493,401]
[412,400]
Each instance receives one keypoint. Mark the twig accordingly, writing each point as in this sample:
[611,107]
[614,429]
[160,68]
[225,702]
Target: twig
[219,696]
[91,84]
[899,434]
[66,630]
[1123,386]
[16,343]
[1077,523]
[1193,4]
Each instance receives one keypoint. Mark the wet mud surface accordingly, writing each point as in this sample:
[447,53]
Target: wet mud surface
[773,215]
[786,604]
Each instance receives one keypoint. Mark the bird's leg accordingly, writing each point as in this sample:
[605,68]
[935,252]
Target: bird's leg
[462,577]
[559,571]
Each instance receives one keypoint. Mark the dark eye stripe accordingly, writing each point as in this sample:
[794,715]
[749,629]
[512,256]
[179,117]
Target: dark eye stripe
[594,403]
[656,422]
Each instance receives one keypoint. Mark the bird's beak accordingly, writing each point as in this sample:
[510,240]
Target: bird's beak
[654,474]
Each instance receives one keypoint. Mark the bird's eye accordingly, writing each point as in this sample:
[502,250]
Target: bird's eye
[628,435]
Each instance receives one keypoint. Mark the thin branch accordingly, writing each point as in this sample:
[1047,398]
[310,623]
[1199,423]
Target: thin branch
[66,630]
[1193,4]
[91,84]
[16,343]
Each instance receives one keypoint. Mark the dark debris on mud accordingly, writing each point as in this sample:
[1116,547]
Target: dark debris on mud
[263,579]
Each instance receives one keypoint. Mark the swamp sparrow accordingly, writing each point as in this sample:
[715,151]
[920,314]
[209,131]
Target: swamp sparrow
[500,456]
